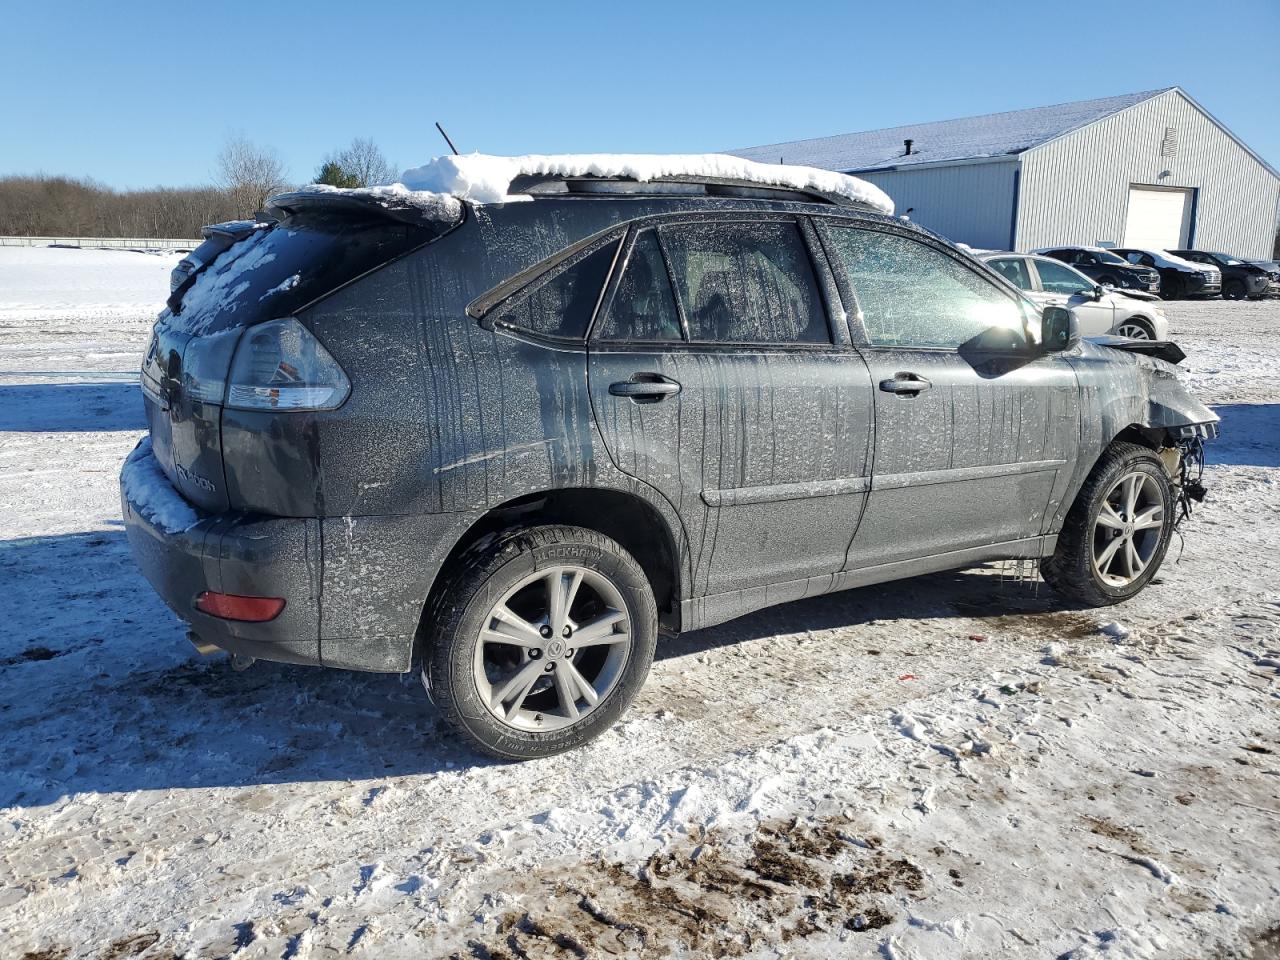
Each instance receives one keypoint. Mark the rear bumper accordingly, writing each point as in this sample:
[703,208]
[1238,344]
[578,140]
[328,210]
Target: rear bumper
[354,587]
[228,553]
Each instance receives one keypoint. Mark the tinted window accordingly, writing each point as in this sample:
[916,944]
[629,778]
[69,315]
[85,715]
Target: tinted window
[643,306]
[563,305]
[1014,270]
[746,283]
[1059,278]
[915,296]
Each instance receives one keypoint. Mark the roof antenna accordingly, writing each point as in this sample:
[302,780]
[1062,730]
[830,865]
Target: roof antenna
[446,138]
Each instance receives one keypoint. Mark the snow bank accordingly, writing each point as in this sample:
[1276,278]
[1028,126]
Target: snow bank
[484,178]
[151,493]
[52,279]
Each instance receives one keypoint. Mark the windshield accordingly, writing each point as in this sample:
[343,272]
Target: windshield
[1106,256]
[1226,260]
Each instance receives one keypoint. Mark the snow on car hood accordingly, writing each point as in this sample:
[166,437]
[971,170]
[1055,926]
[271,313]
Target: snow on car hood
[483,178]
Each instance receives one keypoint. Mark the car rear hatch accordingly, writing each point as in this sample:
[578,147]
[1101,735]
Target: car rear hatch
[247,273]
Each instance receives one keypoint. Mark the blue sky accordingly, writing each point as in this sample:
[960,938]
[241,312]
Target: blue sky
[143,93]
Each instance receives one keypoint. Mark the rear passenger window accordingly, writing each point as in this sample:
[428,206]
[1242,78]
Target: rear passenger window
[746,282]
[563,305]
[1013,270]
[912,295]
[643,306]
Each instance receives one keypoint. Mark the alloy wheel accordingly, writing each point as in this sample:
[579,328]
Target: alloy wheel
[552,648]
[1128,529]
[1134,331]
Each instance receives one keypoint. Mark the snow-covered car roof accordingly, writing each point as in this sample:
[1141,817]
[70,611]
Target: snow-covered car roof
[1043,251]
[483,178]
[438,185]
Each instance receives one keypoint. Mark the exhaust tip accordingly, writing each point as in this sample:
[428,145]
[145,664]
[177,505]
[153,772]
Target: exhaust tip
[203,647]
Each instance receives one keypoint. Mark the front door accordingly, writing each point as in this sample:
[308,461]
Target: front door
[716,379]
[973,424]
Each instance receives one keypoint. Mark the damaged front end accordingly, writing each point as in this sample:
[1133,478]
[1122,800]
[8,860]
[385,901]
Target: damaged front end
[1184,462]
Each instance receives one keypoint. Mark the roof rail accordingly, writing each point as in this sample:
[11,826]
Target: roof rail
[540,185]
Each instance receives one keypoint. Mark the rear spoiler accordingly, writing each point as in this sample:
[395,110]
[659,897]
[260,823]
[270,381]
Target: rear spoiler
[438,211]
[1165,350]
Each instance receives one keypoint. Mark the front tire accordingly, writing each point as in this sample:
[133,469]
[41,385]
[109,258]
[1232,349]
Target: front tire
[1136,328]
[541,640]
[1118,530]
[1234,290]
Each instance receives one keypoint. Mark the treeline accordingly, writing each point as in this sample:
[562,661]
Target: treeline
[43,206]
[246,174]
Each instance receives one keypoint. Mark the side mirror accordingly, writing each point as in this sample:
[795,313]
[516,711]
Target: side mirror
[1058,329]
[1099,291]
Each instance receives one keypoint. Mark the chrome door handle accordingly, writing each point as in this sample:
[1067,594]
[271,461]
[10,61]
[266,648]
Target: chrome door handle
[645,387]
[905,383]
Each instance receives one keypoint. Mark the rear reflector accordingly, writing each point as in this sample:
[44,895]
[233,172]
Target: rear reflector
[228,606]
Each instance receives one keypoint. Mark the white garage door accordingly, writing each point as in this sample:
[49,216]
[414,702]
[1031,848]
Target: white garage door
[1159,218]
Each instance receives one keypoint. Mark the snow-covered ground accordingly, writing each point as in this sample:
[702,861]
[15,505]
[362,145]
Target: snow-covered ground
[956,766]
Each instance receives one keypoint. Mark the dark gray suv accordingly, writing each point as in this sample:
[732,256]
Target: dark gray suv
[514,442]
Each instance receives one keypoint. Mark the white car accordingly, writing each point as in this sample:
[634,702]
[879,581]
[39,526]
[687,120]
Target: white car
[1098,310]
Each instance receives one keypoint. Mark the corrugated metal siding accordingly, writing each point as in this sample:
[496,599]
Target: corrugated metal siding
[968,203]
[1076,189]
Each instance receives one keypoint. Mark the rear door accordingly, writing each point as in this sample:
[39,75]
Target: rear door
[715,378]
[973,424]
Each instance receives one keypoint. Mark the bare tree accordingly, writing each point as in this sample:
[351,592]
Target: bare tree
[249,173]
[365,163]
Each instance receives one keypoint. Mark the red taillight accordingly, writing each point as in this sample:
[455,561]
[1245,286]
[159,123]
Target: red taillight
[228,606]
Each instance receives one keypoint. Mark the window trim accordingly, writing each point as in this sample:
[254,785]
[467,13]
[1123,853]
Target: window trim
[848,292]
[839,341]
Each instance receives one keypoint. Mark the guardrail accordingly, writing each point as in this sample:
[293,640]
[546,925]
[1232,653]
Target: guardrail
[104,243]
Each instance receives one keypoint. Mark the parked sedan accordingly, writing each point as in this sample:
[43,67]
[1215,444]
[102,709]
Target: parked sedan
[1179,278]
[1105,267]
[1240,278]
[1098,310]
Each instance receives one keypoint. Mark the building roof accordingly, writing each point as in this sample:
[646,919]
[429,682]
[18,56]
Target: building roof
[990,135]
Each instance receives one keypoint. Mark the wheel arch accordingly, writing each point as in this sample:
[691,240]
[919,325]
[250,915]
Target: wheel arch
[625,516]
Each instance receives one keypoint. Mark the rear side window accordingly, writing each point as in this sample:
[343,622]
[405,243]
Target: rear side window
[562,306]
[912,295]
[1014,270]
[643,306]
[746,282]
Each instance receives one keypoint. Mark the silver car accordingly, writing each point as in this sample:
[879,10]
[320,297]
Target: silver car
[1099,310]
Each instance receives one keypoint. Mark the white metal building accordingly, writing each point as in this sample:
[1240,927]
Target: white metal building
[1151,169]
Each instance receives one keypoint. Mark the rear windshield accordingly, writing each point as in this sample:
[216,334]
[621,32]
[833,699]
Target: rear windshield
[286,266]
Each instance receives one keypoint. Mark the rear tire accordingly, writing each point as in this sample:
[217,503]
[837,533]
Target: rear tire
[540,641]
[1117,533]
[1234,290]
